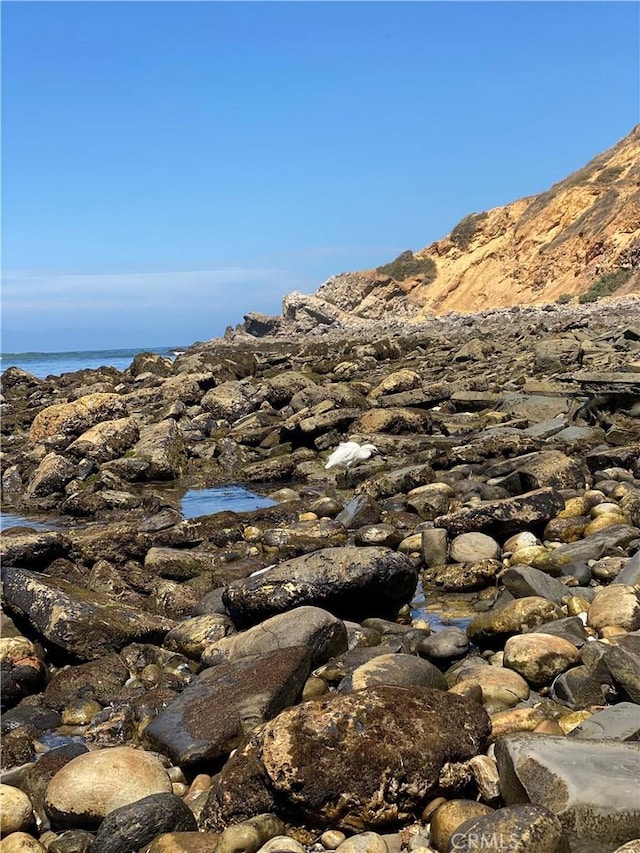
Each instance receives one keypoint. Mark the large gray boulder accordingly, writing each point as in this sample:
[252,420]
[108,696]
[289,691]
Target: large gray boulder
[350,582]
[591,786]
[367,759]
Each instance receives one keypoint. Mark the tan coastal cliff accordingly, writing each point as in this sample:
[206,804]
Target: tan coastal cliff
[555,245]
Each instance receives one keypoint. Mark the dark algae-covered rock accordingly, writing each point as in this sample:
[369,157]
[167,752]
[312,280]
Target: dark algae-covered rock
[80,621]
[351,582]
[131,827]
[365,759]
[224,703]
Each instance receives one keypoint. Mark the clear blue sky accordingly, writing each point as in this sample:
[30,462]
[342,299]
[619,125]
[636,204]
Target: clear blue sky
[168,166]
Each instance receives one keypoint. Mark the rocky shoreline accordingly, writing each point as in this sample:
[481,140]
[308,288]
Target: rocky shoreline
[264,681]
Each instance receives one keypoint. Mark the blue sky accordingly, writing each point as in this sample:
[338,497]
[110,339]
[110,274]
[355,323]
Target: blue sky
[169,166]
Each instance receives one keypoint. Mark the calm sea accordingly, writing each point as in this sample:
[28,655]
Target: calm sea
[43,364]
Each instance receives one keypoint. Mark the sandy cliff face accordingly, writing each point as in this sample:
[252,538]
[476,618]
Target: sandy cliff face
[539,248]
[558,244]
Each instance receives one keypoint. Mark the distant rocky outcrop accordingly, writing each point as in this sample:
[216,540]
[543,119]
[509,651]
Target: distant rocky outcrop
[579,240]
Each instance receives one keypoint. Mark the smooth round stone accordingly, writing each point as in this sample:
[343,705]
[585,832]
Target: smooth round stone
[501,688]
[411,544]
[611,632]
[250,835]
[525,539]
[448,644]
[449,817]
[282,844]
[307,516]
[191,636]
[574,507]
[515,720]
[72,841]
[313,688]
[432,488]
[378,534]
[80,713]
[132,826]
[16,810]
[176,774]
[180,789]
[151,674]
[593,497]
[90,786]
[576,606]
[527,556]
[603,509]
[527,829]
[610,519]
[399,669]
[201,782]
[568,529]
[282,495]
[617,606]
[365,842]
[515,617]
[472,547]
[332,839]
[252,534]
[608,568]
[327,507]
[16,648]
[539,657]
[21,842]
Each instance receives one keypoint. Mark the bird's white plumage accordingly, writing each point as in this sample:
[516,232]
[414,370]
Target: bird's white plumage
[349,453]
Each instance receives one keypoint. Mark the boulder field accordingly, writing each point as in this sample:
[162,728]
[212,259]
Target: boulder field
[436,650]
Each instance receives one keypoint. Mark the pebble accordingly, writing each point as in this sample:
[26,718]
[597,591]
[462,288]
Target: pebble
[365,842]
[332,839]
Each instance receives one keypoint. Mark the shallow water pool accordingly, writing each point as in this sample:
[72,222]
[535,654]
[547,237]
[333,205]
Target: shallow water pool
[225,498]
[10,519]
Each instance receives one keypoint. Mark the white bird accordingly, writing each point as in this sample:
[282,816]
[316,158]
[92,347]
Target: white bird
[349,453]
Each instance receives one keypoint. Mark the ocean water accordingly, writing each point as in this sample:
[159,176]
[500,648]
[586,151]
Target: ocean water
[43,364]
